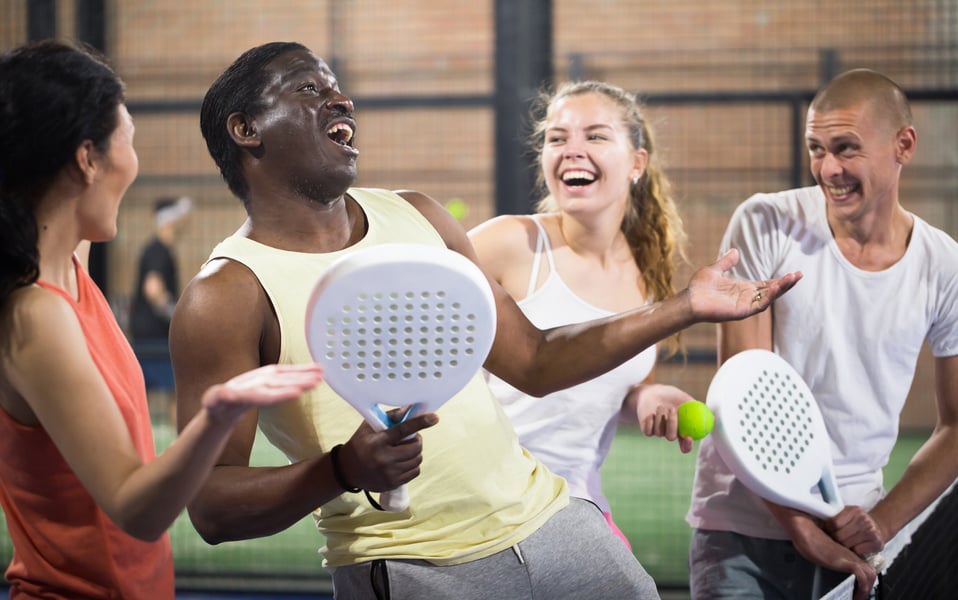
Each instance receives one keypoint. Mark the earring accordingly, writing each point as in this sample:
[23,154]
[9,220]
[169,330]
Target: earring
[635,179]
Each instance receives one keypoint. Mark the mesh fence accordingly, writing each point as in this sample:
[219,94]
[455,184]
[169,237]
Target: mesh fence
[726,85]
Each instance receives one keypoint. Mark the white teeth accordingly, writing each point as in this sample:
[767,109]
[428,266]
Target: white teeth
[841,191]
[333,132]
[570,175]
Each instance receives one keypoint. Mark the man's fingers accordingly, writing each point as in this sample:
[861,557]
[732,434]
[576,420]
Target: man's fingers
[406,431]
[414,425]
[784,283]
[727,260]
[865,577]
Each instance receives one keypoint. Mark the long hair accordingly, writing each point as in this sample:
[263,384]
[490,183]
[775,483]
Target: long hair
[53,97]
[652,225]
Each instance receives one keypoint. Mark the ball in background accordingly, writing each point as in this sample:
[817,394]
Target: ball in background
[457,208]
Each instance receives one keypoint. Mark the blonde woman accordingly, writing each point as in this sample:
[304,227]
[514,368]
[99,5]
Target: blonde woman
[606,239]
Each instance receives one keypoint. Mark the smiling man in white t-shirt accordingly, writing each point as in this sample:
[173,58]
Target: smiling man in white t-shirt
[879,282]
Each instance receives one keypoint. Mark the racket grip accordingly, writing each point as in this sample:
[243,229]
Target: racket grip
[396,500]
[876,560]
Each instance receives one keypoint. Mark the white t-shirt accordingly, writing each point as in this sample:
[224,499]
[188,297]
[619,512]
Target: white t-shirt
[853,335]
[570,430]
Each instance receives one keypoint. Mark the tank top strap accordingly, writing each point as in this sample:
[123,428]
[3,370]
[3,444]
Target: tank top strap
[542,244]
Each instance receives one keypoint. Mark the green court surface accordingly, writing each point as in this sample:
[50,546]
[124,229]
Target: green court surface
[648,482]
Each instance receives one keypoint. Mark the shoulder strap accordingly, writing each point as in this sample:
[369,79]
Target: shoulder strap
[542,243]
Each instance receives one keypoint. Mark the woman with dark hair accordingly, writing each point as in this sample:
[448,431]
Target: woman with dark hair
[87,503]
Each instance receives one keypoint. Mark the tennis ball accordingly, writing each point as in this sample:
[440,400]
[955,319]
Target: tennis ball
[457,208]
[695,420]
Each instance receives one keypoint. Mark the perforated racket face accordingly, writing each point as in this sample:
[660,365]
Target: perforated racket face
[775,420]
[769,430]
[399,324]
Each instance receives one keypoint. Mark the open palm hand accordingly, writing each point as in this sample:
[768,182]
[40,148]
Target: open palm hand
[714,296]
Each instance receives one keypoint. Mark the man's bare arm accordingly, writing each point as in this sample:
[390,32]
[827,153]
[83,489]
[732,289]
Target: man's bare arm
[934,466]
[224,325]
[540,362]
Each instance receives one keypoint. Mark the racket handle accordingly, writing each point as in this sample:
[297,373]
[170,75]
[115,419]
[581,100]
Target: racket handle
[876,560]
[396,500]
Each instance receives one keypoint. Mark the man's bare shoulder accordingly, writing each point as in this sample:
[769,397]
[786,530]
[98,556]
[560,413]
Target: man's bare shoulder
[416,198]
[221,287]
[225,274]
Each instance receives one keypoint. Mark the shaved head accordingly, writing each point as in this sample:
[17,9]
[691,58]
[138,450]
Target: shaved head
[865,87]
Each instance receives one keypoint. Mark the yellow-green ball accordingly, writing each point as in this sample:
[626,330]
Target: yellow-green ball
[457,208]
[695,420]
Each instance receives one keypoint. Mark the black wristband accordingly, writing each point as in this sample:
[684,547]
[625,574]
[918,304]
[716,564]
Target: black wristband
[372,501]
[337,474]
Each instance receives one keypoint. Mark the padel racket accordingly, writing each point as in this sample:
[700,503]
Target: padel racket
[770,432]
[407,324]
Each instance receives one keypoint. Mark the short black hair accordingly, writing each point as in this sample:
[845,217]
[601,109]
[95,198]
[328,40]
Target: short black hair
[238,89]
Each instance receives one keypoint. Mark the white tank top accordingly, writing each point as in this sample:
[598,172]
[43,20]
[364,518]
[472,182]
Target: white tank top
[570,430]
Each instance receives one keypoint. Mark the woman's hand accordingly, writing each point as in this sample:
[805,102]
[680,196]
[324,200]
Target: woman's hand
[265,386]
[654,406]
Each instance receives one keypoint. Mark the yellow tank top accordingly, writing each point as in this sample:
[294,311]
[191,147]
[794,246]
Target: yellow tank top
[479,491]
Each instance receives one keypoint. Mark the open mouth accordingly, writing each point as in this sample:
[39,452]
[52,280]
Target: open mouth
[341,133]
[578,178]
[842,191]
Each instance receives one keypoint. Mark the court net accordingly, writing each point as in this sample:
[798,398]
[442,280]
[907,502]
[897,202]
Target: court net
[921,561]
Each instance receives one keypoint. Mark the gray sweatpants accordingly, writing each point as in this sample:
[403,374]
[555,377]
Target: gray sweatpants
[574,555]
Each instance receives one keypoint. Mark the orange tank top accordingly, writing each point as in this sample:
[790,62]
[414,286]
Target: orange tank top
[65,546]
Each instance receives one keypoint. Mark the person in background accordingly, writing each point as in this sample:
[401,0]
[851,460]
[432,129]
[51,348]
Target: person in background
[86,501]
[880,283]
[486,519]
[607,239]
[156,292]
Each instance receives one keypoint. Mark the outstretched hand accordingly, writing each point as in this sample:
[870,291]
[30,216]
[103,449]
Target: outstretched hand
[264,386]
[715,297]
